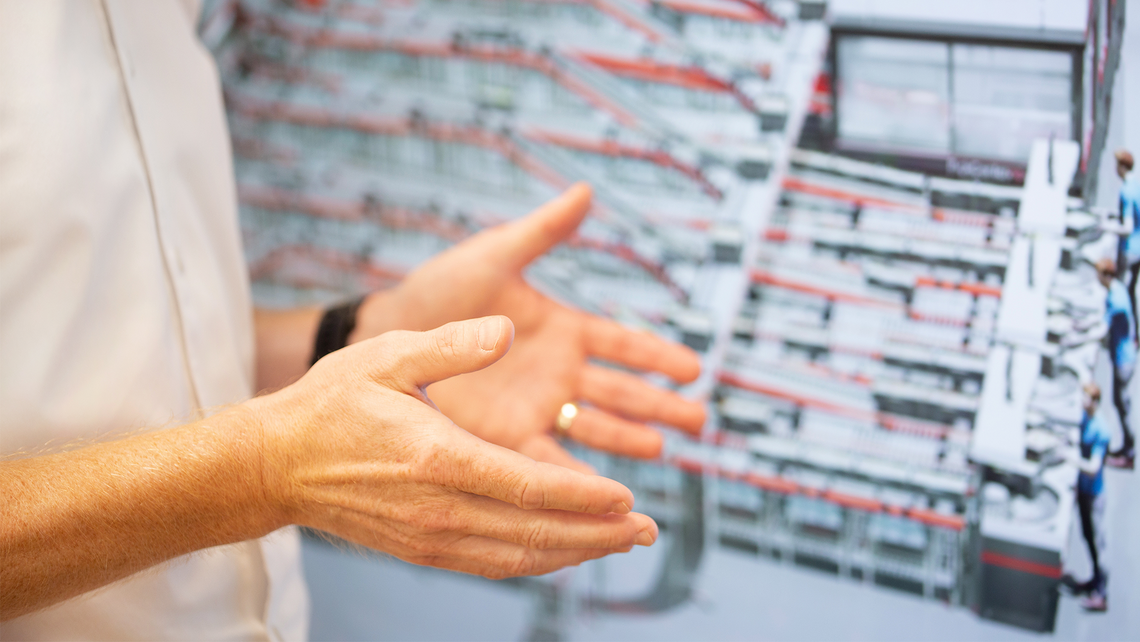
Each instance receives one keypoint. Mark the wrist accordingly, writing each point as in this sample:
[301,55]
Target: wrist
[336,326]
[262,483]
[380,312]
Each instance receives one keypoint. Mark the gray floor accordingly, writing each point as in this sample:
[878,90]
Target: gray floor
[358,597]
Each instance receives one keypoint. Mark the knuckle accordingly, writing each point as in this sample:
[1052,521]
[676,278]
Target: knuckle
[433,461]
[537,536]
[424,560]
[523,563]
[409,542]
[403,513]
[391,357]
[412,538]
[424,519]
[448,341]
[437,520]
[495,573]
[628,535]
[419,544]
[528,493]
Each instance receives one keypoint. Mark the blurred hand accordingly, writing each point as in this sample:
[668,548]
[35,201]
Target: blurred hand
[355,448]
[514,402]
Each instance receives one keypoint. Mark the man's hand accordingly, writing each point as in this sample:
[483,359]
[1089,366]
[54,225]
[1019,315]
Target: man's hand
[356,448]
[514,402]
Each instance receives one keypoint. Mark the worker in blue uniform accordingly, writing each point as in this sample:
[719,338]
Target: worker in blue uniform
[1090,499]
[1121,340]
[1128,261]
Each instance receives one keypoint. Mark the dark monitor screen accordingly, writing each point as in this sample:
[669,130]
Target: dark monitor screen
[936,98]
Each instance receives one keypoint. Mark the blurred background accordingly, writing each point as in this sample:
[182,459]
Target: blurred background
[876,220]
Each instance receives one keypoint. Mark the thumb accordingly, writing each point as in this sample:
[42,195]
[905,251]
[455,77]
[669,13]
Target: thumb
[528,238]
[417,359]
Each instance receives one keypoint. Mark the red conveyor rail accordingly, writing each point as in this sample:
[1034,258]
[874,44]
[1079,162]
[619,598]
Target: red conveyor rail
[853,198]
[334,39]
[628,254]
[306,262]
[398,126]
[738,11]
[685,76]
[283,200]
[784,486]
[928,429]
[765,277]
[612,148]
[392,216]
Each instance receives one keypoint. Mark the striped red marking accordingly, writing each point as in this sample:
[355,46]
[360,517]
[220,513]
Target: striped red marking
[775,484]
[765,277]
[1018,564]
[651,71]
[743,13]
[794,184]
[616,149]
[932,518]
[977,289]
[785,486]
[629,20]
[854,501]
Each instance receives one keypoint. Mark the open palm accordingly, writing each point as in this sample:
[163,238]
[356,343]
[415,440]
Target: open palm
[514,402]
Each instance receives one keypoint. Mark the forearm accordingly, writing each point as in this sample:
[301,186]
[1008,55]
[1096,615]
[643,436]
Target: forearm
[72,522]
[284,345]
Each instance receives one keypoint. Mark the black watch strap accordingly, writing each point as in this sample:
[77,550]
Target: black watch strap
[336,324]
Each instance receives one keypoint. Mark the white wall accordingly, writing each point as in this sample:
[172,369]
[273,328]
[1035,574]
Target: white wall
[1124,116]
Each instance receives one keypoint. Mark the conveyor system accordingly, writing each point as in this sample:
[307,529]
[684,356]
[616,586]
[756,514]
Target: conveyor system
[727,244]
[891,359]
[776,410]
[1029,406]
[812,9]
[860,517]
[773,109]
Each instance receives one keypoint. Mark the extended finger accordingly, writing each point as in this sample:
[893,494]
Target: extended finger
[611,341]
[551,529]
[601,430]
[503,558]
[486,556]
[416,359]
[525,239]
[632,397]
[496,559]
[544,448]
[477,467]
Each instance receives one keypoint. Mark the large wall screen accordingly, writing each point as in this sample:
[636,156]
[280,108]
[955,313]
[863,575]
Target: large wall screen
[951,99]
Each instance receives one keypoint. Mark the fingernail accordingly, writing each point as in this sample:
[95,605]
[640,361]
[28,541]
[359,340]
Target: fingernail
[644,538]
[621,508]
[489,331]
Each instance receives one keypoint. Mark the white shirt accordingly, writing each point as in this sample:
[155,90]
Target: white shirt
[124,298]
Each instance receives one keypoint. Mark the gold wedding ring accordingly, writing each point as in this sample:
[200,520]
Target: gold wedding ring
[566,417]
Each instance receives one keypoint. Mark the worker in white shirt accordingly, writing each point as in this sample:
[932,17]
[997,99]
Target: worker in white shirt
[124,305]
